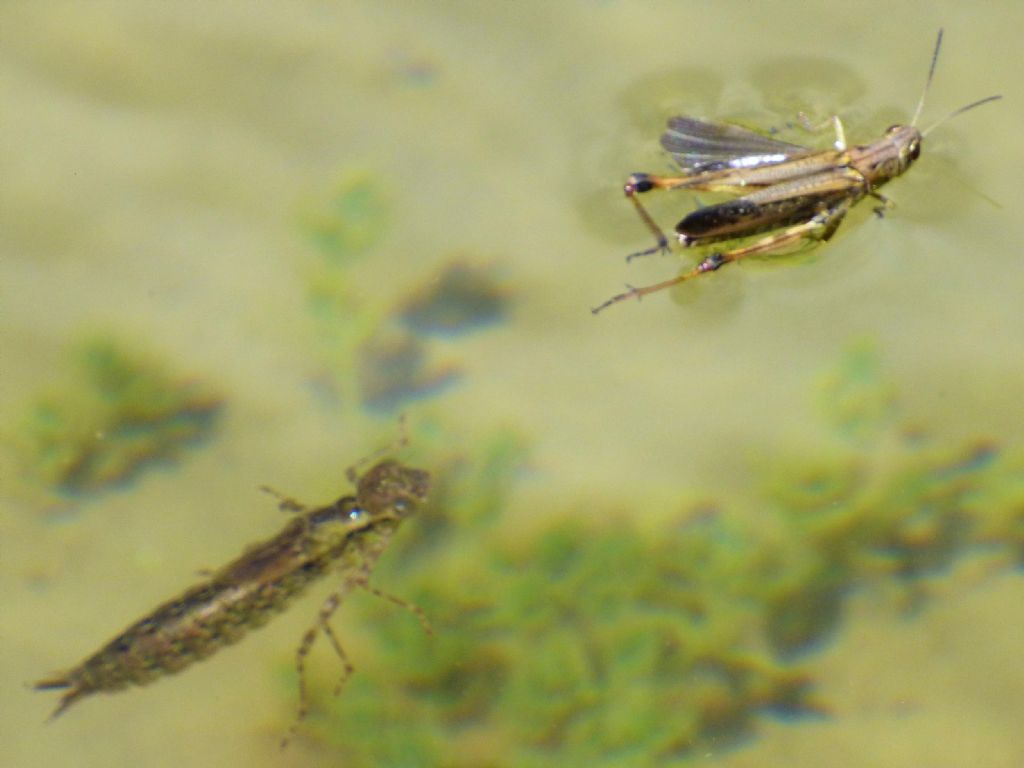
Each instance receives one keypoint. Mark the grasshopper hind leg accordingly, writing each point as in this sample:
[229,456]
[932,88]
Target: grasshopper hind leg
[820,227]
[645,182]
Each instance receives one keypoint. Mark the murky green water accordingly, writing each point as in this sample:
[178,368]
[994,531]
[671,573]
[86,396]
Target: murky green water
[324,215]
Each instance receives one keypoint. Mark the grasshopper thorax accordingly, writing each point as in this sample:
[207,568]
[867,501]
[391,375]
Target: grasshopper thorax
[888,157]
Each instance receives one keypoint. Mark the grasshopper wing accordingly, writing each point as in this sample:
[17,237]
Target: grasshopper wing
[699,146]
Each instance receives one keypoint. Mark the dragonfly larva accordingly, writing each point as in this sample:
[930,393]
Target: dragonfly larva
[346,537]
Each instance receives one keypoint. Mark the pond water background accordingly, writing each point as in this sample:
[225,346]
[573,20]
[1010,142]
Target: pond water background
[161,163]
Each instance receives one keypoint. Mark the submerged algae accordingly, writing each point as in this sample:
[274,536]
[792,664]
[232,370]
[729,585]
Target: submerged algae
[377,347]
[590,641]
[883,502]
[581,640]
[462,298]
[114,412]
[352,219]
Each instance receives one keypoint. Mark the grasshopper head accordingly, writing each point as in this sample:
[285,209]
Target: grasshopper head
[907,141]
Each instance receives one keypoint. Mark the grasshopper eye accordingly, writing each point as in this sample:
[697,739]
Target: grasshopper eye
[915,150]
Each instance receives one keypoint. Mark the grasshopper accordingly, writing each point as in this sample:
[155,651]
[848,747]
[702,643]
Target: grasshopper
[803,193]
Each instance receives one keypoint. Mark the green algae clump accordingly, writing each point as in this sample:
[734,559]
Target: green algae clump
[575,636]
[113,412]
[575,642]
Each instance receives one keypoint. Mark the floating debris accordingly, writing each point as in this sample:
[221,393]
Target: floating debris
[412,70]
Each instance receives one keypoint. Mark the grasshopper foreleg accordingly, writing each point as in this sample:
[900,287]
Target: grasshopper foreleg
[884,204]
[834,122]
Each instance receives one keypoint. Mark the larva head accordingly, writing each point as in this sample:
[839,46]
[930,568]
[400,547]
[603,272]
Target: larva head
[390,489]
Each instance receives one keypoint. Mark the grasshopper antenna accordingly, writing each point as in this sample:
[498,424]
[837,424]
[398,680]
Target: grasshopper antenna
[960,111]
[928,82]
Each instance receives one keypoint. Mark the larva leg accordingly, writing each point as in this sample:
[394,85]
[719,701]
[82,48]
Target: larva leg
[326,611]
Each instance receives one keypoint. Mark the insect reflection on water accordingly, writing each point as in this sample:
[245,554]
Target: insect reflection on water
[802,192]
[345,537]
